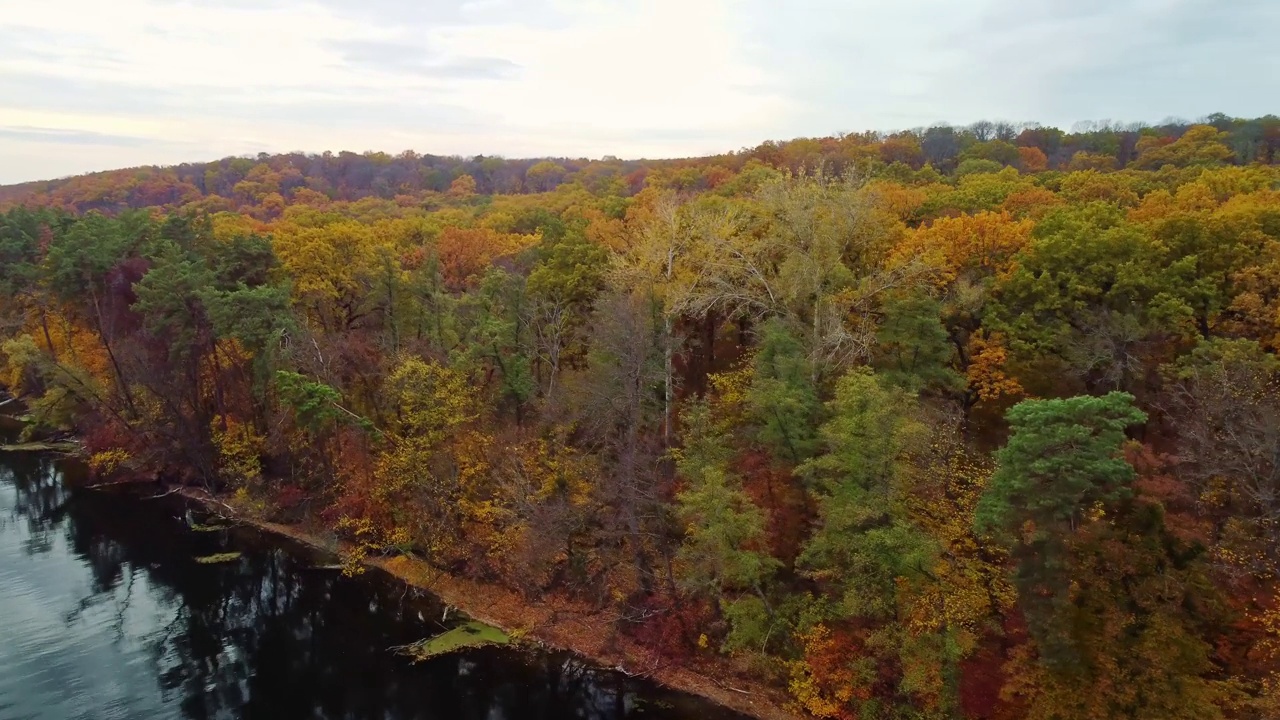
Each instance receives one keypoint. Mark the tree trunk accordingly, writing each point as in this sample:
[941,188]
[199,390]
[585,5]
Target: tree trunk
[669,384]
[115,364]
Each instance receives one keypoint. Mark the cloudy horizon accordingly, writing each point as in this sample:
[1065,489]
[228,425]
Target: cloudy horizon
[95,86]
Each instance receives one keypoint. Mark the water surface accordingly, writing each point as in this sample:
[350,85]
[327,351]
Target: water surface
[104,613]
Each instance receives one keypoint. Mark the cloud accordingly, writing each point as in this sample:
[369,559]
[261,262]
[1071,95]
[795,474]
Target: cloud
[58,136]
[415,59]
[1190,58]
[859,65]
[198,79]
[417,13]
[59,93]
[369,114]
[20,42]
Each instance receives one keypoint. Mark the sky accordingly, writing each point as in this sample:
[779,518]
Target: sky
[89,85]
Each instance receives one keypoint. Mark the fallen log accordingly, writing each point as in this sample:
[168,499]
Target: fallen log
[63,447]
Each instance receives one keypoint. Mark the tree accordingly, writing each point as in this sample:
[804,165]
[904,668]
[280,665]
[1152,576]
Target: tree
[862,542]
[92,267]
[1223,399]
[427,486]
[563,286]
[998,151]
[333,265]
[673,257]
[983,130]
[1032,159]
[719,398]
[940,145]
[968,249]
[782,397]
[1199,145]
[1085,160]
[544,176]
[619,406]
[954,611]
[175,320]
[721,554]
[824,249]
[24,240]
[494,342]
[1116,607]
[1061,462]
[965,256]
[463,187]
[1096,294]
[913,349]
[903,148]
[864,549]
[916,606]
[977,166]
[465,254]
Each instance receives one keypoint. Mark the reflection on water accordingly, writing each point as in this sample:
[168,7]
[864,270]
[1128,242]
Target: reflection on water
[105,614]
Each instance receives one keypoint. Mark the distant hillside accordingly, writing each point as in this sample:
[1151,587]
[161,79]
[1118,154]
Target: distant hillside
[272,181]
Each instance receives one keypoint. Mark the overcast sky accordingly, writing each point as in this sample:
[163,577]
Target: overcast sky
[91,85]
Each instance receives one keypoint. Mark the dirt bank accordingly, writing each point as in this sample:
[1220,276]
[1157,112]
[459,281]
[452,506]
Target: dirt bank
[554,622]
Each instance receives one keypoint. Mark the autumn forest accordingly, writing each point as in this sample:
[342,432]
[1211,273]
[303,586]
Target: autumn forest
[961,422]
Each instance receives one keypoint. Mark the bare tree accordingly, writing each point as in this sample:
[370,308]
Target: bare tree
[1223,403]
[1005,131]
[621,413]
[983,130]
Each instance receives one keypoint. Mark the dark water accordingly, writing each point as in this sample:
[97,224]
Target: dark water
[105,614]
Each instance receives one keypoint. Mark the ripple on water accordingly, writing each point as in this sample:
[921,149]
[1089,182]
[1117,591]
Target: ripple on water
[58,659]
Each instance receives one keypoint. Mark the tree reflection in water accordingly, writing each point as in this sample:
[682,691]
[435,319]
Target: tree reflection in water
[265,636]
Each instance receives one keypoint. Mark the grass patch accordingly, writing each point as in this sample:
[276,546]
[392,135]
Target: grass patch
[218,558]
[468,636]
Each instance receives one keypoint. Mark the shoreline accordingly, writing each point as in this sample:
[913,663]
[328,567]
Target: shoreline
[558,623]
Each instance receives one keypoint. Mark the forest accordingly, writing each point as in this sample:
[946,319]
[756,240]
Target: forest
[963,422]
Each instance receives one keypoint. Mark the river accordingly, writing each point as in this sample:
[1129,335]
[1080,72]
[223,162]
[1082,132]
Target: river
[105,614]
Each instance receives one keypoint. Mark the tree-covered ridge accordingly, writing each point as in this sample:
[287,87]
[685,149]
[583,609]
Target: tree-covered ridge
[262,186]
[988,440]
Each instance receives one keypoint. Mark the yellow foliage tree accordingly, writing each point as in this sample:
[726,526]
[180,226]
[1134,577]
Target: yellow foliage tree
[969,247]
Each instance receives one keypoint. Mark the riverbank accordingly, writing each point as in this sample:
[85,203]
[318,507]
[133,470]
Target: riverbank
[553,622]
